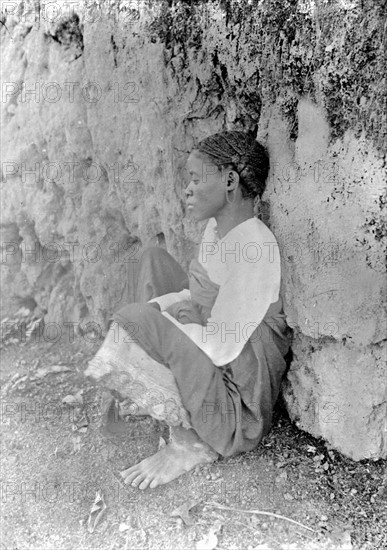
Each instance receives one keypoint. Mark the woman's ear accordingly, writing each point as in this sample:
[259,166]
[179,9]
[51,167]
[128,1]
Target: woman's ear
[232,180]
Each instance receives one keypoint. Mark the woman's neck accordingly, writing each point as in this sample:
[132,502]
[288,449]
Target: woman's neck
[232,215]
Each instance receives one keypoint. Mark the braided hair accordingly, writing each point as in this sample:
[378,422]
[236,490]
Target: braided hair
[242,153]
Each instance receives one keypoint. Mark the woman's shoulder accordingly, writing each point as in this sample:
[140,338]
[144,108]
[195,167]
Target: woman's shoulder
[254,230]
[248,233]
[264,230]
[257,246]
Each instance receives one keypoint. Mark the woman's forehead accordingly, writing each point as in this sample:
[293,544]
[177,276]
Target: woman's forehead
[196,160]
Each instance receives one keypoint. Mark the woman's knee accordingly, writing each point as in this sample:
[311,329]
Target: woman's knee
[133,317]
[135,313]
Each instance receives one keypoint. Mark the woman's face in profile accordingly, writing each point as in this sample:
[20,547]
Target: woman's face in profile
[206,193]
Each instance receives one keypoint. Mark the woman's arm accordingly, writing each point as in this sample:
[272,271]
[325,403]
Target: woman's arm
[172,298]
[240,306]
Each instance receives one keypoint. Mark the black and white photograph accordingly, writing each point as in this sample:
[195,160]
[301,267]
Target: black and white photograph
[193,223]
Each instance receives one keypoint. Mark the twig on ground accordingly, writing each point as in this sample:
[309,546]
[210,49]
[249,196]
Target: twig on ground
[260,512]
[304,535]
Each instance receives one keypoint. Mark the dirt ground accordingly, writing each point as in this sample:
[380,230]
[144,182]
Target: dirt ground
[55,460]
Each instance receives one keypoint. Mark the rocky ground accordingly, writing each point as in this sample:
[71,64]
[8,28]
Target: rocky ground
[59,472]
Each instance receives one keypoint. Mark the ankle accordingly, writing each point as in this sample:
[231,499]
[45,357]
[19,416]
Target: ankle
[188,439]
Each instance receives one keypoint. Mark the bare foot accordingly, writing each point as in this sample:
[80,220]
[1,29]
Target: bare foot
[167,464]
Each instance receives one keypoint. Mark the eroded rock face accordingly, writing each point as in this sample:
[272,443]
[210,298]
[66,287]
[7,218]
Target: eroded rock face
[93,171]
[334,283]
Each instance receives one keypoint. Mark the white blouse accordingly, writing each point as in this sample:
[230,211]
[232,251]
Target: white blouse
[245,264]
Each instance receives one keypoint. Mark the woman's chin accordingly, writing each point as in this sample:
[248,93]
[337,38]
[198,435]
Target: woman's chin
[190,213]
[194,215]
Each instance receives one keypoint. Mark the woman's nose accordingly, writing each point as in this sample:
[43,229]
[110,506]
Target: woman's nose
[188,189]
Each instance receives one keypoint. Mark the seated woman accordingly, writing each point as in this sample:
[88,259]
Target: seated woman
[204,353]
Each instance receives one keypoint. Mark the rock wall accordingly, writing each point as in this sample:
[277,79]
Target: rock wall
[100,108]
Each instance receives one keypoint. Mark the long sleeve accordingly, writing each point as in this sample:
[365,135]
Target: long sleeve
[171,298]
[248,269]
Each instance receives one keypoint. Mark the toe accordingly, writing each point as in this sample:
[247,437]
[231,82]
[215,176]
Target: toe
[136,479]
[144,484]
[130,474]
[124,474]
[153,484]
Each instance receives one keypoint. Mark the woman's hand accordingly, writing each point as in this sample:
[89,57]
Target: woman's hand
[185,312]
